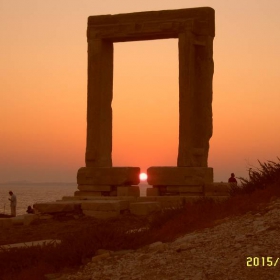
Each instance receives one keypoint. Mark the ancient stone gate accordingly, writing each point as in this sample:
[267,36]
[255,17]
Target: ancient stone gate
[195,30]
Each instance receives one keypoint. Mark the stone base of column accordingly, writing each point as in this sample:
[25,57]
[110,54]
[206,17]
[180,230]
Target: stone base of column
[128,191]
[217,189]
[179,176]
[152,192]
[108,176]
[96,190]
[95,193]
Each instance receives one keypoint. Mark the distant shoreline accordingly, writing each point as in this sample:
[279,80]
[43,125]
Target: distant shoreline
[24,183]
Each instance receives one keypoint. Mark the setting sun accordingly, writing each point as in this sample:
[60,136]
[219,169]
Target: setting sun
[143,176]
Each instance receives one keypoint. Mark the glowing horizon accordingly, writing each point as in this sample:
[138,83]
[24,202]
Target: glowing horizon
[44,85]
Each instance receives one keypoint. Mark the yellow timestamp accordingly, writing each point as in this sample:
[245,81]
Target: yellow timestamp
[262,261]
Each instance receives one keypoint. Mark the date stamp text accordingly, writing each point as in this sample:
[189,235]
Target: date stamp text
[262,261]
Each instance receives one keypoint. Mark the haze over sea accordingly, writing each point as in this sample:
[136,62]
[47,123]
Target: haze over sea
[28,193]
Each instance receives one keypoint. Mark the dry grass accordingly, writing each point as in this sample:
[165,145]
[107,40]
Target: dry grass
[33,263]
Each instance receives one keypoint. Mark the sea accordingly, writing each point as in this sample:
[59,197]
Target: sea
[31,193]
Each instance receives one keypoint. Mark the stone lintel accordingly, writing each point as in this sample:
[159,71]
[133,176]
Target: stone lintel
[152,24]
[115,176]
[179,176]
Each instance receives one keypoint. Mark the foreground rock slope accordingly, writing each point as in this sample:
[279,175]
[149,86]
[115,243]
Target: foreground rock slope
[221,252]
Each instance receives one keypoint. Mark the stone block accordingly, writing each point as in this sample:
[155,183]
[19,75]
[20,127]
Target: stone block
[170,201]
[105,205]
[113,193]
[179,176]
[117,176]
[184,189]
[101,214]
[146,198]
[95,188]
[191,199]
[55,207]
[216,189]
[144,208]
[29,218]
[6,222]
[85,193]
[45,216]
[191,194]
[18,220]
[152,192]
[128,191]
[94,198]
[151,24]
[218,198]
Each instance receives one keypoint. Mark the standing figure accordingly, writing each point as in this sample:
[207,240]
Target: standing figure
[232,179]
[13,200]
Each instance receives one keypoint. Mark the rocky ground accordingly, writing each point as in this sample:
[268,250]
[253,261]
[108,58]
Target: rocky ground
[245,247]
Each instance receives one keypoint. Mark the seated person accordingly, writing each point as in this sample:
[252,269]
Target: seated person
[30,210]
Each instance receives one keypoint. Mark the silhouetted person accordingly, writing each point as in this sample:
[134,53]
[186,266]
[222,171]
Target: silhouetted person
[30,210]
[13,201]
[232,179]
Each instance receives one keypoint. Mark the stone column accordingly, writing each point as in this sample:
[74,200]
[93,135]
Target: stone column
[99,110]
[195,99]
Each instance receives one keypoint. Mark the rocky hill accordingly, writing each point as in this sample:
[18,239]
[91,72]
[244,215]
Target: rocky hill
[244,247]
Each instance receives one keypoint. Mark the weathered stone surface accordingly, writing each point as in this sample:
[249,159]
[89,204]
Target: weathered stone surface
[6,222]
[146,198]
[108,176]
[151,25]
[170,201]
[152,192]
[216,253]
[218,198]
[54,207]
[105,205]
[128,191]
[95,188]
[101,214]
[99,99]
[217,189]
[29,218]
[92,198]
[87,193]
[191,199]
[18,220]
[144,208]
[196,70]
[185,189]
[177,176]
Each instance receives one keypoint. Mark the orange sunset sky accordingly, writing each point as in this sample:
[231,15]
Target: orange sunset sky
[43,88]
